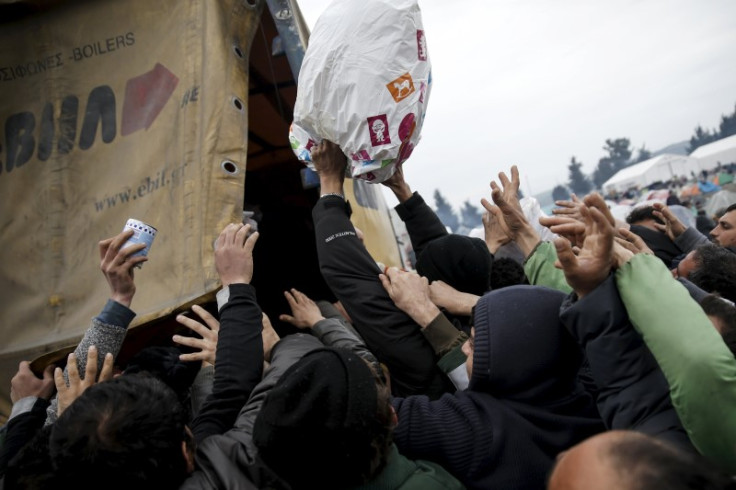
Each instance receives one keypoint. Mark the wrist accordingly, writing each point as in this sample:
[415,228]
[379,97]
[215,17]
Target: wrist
[424,314]
[402,192]
[226,282]
[527,240]
[331,185]
[123,299]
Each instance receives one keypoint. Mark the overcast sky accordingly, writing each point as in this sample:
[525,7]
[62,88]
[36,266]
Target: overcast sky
[533,82]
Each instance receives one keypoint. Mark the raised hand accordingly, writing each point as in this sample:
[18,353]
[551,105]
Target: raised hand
[452,300]
[207,344]
[591,266]
[25,383]
[70,392]
[672,226]
[410,293]
[495,236]
[117,266]
[234,254]
[304,312]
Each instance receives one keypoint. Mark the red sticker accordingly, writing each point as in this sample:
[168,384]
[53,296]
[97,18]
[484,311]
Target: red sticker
[378,129]
[145,97]
[406,128]
[421,46]
[310,144]
[360,155]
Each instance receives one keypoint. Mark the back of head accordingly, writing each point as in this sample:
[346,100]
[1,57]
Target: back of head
[326,423]
[507,272]
[645,463]
[462,262]
[123,433]
[522,352]
[715,271]
[628,460]
[641,214]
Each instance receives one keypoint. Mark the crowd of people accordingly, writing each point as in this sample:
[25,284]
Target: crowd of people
[603,359]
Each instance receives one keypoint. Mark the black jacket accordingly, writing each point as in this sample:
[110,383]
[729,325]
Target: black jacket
[389,333]
[523,405]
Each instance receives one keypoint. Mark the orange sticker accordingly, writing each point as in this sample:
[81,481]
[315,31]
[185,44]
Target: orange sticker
[401,88]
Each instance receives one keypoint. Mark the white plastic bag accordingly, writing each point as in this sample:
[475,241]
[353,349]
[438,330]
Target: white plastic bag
[364,84]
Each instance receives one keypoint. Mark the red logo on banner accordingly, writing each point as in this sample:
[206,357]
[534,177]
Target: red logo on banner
[378,129]
[145,97]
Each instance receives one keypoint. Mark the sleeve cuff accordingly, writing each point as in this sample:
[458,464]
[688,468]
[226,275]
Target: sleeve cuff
[223,296]
[406,209]
[116,314]
[24,405]
[442,335]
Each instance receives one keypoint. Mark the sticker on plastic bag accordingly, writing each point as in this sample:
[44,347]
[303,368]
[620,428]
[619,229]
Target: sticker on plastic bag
[364,84]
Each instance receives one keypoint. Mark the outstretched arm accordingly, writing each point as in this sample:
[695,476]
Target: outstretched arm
[239,345]
[699,367]
[352,274]
[110,326]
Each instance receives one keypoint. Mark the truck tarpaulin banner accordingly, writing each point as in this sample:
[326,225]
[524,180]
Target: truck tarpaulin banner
[113,110]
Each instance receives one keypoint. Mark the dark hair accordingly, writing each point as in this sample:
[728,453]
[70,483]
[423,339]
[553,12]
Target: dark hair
[641,213]
[507,272]
[730,208]
[725,312]
[329,414]
[645,463]
[715,271]
[126,433]
[31,468]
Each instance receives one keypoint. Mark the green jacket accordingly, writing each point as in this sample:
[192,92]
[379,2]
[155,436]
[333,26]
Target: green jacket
[540,268]
[405,474]
[699,367]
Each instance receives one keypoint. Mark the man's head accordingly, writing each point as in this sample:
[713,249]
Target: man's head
[462,262]
[714,270]
[643,216]
[128,432]
[627,460]
[327,423]
[724,234]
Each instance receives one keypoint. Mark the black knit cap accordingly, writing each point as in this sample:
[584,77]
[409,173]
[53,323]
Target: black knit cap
[462,262]
[316,425]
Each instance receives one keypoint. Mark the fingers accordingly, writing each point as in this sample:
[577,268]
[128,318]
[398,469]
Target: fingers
[288,319]
[59,380]
[193,356]
[604,228]
[386,282]
[595,200]
[515,177]
[565,255]
[103,246]
[574,198]
[189,341]
[210,320]
[241,235]
[72,369]
[48,373]
[90,370]
[250,242]
[625,244]
[291,300]
[106,372]
[486,205]
[116,243]
[193,325]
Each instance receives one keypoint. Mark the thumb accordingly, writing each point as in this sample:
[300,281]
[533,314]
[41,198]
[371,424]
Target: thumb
[48,373]
[385,282]
[287,319]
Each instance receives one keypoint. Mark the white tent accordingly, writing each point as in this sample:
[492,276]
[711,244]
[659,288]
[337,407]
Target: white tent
[660,168]
[723,151]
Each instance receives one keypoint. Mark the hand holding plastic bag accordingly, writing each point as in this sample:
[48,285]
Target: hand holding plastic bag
[364,84]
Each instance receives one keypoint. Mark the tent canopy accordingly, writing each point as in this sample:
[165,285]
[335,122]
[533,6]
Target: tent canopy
[722,151]
[660,168]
